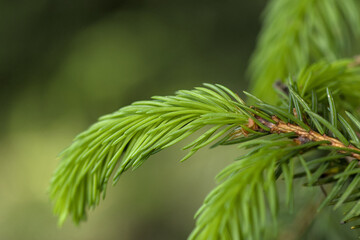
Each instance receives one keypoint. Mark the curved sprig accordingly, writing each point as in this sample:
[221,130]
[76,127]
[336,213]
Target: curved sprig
[309,135]
[297,33]
[130,135]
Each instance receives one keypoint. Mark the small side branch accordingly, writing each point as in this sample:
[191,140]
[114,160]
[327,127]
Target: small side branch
[303,136]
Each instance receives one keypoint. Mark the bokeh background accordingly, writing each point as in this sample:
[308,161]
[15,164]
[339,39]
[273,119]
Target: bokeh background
[65,63]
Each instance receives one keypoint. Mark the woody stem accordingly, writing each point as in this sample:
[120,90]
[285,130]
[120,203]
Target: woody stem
[305,136]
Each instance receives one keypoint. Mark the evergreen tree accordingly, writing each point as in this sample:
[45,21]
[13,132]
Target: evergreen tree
[307,128]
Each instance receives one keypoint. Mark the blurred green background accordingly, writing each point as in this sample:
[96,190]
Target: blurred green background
[65,63]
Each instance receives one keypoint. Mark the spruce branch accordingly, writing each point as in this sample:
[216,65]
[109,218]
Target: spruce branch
[308,127]
[308,132]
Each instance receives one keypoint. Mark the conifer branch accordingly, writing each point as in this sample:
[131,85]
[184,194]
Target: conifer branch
[276,136]
[309,132]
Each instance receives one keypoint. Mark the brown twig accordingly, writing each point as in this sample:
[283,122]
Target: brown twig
[303,136]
